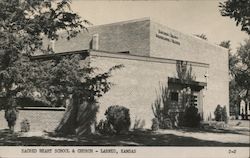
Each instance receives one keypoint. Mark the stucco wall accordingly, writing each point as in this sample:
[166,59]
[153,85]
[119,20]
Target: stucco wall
[192,48]
[135,85]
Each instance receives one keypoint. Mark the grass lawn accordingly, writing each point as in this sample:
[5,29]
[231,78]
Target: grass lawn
[180,137]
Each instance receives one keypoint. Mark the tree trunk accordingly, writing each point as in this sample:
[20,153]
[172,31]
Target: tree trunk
[246,105]
[86,117]
[68,123]
[246,109]
[11,114]
[237,113]
[78,118]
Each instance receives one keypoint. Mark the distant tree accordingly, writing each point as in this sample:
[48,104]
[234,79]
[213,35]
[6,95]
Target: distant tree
[202,36]
[234,97]
[239,10]
[242,75]
[226,44]
[234,88]
[239,68]
[232,58]
[220,113]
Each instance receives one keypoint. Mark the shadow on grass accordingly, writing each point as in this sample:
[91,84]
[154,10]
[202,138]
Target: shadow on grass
[147,138]
[8,138]
[214,130]
[136,138]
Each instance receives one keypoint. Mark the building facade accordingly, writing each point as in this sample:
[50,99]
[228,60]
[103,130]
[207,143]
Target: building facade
[149,52]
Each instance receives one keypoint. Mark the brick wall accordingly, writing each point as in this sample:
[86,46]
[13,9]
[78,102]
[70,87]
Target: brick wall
[192,48]
[137,83]
[117,37]
[136,86]
[39,119]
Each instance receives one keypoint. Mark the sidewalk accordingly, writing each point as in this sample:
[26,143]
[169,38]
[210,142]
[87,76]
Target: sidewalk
[209,136]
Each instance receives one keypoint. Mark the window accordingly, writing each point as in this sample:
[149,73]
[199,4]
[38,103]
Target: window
[194,100]
[174,96]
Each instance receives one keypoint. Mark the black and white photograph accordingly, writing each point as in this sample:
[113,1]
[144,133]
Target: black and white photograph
[125,78]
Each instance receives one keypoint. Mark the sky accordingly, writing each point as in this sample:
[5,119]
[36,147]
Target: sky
[187,16]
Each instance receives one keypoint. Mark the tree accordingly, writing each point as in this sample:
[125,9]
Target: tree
[232,58]
[239,10]
[202,36]
[234,89]
[242,76]
[220,113]
[23,26]
[82,86]
[239,70]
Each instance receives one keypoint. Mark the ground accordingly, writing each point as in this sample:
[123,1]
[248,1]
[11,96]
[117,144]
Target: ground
[236,134]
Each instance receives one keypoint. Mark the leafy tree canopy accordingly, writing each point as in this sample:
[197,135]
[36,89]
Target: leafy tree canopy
[242,75]
[233,60]
[239,10]
[234,88]
[23,26]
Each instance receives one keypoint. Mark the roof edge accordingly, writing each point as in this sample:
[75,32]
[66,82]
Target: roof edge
[122,22]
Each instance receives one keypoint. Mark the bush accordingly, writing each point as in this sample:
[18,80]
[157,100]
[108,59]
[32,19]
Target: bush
[161,107]
[139,124]
[166,124]
[118,117]
[191,117]
[155,124]
[104,128]
[11,115]
[220,114]
[25,126]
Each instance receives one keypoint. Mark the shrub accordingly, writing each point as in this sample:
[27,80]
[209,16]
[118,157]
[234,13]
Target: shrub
[155,124]
[224,114]
[191,117]
[166,124]
[25,126]
[119,118]
[139,124]
[104,128]
[220,113]
[161,107]
[11,115]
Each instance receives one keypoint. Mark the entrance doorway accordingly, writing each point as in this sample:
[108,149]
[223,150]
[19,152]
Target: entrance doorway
[181,90]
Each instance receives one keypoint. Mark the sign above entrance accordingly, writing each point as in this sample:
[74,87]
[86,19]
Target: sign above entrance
[167,37]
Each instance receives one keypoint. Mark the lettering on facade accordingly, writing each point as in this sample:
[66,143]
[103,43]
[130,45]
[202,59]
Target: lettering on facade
[167,37]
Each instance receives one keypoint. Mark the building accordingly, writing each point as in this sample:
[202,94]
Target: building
[149,52]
